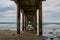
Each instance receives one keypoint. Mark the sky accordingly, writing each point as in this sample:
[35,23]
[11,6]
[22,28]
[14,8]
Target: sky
[50,11]
[7,11]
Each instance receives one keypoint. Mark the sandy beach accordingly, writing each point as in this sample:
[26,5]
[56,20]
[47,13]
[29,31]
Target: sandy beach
[12,35]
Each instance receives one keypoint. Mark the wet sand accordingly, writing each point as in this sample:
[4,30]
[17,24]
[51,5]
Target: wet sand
[12,35]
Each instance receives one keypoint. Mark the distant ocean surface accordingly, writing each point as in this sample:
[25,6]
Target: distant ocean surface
[8,26]
[13,25]
[51,25]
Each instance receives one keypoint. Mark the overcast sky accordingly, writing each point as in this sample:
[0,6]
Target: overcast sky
[7,11]
[51,11]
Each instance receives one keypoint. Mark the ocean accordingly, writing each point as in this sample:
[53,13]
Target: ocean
[13,25]
[9,26]
[51,30]
[48,28]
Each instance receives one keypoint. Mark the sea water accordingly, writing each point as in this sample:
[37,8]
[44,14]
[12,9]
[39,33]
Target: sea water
[8,26]
[51,30]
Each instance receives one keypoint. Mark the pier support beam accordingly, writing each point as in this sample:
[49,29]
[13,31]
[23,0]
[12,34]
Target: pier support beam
[37,22]
[40,18]
[18,19]
[23,21]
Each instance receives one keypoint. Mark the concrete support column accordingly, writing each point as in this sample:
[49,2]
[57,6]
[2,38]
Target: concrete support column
[37,21]
[40,18]
[23,21]
[18,19]
[26,21]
